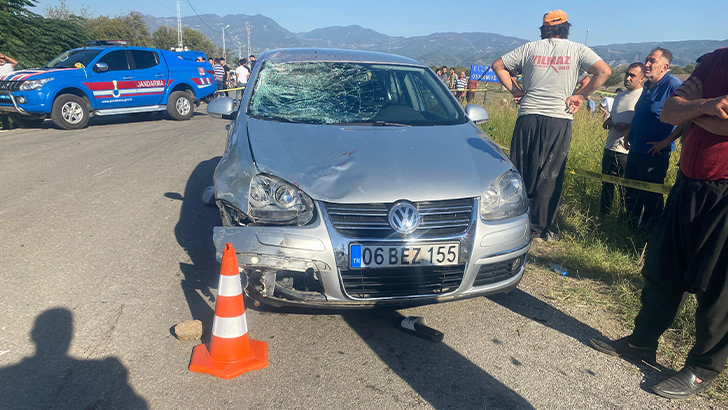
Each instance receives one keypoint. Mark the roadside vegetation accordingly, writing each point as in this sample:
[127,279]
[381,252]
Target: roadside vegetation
[593,249]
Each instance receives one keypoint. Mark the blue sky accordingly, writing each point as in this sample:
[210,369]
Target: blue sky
[618,21]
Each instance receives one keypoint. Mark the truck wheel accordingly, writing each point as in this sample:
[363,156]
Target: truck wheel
[27,122]
[180,106]
[70,112]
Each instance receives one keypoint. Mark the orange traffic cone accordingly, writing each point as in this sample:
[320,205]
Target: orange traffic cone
[230,352]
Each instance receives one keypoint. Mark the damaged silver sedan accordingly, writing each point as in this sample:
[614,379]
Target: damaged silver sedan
[354,179]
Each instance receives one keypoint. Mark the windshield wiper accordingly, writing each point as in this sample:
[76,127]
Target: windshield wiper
[388,124]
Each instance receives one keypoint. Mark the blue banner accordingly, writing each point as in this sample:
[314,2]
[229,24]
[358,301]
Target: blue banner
[482,73]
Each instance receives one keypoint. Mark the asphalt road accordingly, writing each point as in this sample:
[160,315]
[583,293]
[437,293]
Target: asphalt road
[106,246]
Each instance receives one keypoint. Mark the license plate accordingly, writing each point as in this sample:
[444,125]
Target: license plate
[387,256]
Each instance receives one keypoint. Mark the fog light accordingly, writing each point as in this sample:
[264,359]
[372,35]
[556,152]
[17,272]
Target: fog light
[20,100]
[517,264]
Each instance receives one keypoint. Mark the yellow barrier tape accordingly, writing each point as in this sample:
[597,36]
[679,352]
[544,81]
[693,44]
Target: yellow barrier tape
[641,185]
[231,89]
[605,93]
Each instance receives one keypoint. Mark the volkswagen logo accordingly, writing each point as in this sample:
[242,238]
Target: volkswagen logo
[404,218]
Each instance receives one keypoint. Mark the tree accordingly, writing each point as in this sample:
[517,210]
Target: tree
[129,27]
[62,12]
[688,68]
[166,38]
[617,76]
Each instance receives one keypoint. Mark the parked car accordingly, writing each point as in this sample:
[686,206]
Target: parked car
[354,179]
[105,80]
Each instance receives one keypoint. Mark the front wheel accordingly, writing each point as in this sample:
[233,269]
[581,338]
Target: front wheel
[180,106]
[70,112]
[27,122]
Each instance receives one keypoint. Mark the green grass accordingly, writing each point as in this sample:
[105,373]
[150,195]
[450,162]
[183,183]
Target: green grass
[601,249]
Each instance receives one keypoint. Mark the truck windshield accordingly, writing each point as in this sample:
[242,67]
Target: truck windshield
[70,58]
[352,93]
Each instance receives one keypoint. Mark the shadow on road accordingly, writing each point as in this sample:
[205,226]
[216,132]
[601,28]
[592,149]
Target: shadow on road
[528,306]
[439,374]
[52,379]
[194,234]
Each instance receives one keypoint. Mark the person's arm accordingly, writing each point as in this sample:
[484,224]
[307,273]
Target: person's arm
[622,126]
[608,123]
[600,72]
[715,125]
[10,60]
[688,105]
[504,76]
[658,146]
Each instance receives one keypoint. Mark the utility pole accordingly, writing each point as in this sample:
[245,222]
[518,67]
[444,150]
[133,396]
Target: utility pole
[240,52]
[587,37]
[179,28]
[247,28]
[223,40]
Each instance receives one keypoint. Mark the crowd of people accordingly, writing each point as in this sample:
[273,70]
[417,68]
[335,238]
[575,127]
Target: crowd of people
[687,251]
[226,79]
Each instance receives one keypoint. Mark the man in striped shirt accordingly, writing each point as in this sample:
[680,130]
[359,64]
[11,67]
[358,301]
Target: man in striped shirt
[219,74]
[460,84]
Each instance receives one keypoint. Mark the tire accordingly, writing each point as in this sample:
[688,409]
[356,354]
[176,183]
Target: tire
[27,122]
[180,106]
[70,112]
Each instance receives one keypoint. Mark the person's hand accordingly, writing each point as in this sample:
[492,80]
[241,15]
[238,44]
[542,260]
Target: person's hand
[607,124]
[517,95]
[718,107]
[658,146]
[691,89]
[573,103]
[625,141]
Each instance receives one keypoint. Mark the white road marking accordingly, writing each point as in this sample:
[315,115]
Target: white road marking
[108,169]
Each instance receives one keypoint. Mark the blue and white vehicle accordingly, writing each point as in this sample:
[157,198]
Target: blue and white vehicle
[102,80]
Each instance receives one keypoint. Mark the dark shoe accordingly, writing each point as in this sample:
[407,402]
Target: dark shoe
[621,348]
[681,386]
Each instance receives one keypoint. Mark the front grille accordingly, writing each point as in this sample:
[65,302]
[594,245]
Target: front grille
[10,85]
[496,272]
[400,282]
[439,218]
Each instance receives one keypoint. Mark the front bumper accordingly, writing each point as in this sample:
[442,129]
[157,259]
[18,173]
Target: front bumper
[9,103]
[304,265]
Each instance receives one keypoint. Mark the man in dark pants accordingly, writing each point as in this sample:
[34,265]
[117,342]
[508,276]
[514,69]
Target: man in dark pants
[643,163]
[540,144]
[689,251]
[614,159]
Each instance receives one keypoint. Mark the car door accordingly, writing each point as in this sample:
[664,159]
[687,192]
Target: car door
[151,76]
[111,81]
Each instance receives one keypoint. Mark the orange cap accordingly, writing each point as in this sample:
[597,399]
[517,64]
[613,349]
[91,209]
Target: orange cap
[553,18]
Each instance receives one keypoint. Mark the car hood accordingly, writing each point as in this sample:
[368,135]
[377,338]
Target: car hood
[360,164]
[35,74]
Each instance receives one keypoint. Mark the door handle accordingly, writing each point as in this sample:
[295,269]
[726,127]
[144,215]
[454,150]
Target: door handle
[128,78]
[160,75]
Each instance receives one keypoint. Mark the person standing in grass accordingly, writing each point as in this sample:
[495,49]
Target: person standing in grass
[541,138]
[460,85]
[643,162]
[689,250]
[614,159]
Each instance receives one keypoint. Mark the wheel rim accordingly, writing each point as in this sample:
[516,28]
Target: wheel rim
[183,106]
[72,112]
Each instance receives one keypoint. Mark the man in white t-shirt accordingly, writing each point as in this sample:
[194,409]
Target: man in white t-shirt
[541,138]
[241,75]
[614,160]
[606,105]
[7,66]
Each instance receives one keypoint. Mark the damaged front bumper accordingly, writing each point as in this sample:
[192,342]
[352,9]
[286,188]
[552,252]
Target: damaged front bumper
[309,265]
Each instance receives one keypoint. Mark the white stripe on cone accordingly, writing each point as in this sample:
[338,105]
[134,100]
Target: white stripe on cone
[229,286]
[229,327]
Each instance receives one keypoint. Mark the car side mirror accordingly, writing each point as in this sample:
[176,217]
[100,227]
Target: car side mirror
[101,67]
[477,114]
[222,107]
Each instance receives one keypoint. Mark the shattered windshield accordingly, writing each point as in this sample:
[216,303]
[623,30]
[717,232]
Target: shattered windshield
[69,59]
[352,93]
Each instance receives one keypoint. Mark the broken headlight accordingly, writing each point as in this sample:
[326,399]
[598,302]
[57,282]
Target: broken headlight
[504,198]
[273,200]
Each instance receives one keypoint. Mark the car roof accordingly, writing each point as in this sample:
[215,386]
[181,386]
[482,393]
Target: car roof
[287,55]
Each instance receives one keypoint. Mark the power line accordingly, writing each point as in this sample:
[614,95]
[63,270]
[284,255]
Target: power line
[198,16]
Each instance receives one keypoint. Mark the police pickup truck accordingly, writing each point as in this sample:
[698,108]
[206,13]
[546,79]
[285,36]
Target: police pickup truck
[105,80]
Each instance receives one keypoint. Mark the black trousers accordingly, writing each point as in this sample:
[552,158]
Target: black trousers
[689,253]
[613,163]
[644,208]
[539,148]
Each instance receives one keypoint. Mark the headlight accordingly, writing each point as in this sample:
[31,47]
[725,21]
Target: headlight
[34,84]
[504,198]
[273,200]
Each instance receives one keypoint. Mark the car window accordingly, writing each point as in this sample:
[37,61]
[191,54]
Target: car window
[144,59]
[116,60]
[69,59]
[351,93]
